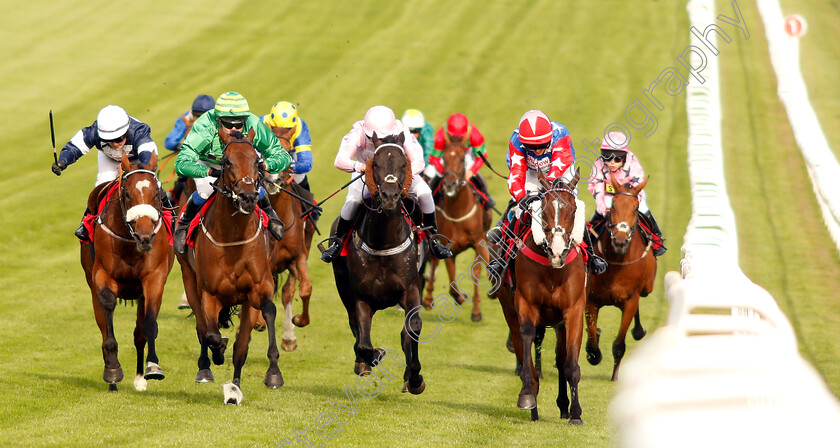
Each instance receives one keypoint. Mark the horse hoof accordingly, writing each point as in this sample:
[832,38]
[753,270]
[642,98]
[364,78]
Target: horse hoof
[259,327]
[299,322]
[457,297]
[576,422]
[527,401]
[360,367]
[427,303]
[140,383]
[415,390]
[273,380]
[204,376]
[288,345]
[638,333]
[594,357]
[112,376]
[153,372]
[233,394]
[476,317]
[112,388]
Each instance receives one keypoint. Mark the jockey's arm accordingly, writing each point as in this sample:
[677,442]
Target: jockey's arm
[597,186]
[303,159]
[516,177]
[350,144]
[414,154]
[561,158]
[478,162]
[79,145]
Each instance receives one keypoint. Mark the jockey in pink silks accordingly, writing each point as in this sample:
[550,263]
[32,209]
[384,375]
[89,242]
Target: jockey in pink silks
[353,153]
[616,158]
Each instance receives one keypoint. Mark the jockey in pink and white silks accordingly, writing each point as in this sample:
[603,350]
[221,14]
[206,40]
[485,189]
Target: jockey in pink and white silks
[539,144]
[616,158]
[353,153]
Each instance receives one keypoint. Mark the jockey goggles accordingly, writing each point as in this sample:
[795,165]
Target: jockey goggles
[115,140]
[613,156]
[537,147]
[232,122]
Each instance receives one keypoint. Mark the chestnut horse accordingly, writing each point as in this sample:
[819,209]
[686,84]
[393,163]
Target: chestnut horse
[463,220]
[549,290]
[229,265]
[381,268]
[631,273]
[129,258]
[292,252]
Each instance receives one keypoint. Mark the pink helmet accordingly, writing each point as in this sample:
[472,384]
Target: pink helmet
[615,141]
[380,119]
[535,128]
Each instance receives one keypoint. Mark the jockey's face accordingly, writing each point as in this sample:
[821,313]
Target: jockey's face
[117,143]
[613,160]
[228,124]
[537,150]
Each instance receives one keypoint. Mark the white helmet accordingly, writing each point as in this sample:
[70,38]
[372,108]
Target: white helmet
[112,122]
[413,119]
[380,119]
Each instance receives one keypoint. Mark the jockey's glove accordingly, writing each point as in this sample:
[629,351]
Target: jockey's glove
[526,201]
[58,167]
[214,172]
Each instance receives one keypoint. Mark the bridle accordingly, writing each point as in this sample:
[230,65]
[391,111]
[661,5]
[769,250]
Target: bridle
[229,191]
[557,231]
[622,226]
[131,214]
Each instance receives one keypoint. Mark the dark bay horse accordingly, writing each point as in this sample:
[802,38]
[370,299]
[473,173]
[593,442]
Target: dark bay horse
[550,290]
[381,268]
[129,258]
[229,265]
[463,220]
[292,252]
[631,273]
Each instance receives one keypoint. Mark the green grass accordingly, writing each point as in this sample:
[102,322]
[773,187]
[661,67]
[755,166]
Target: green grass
[581,64]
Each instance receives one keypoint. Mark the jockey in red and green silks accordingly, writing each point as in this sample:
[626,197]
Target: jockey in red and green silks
[459,126]
[616,158]
[201,155]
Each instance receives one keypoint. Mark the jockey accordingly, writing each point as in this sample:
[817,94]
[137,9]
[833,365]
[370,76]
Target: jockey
[421,130]
[616,158]
[353,153]
[113,134]
[183,124]
[202,151]
[284,116]
[540,144]
[459,126]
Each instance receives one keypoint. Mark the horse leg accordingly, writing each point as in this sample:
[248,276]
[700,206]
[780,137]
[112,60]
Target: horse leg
[506,300]
[430,284]
[106,300]
[273,377]
[302,320]
[539,335]
[573,321]
[638,330]
[289,341]
[628,310]
[152,298]
[140,345]
[453,291]
[476,272]
[527,332]
[414,381]
[247,317]
[560,354]
[593,335]
[212,336]
[365,350]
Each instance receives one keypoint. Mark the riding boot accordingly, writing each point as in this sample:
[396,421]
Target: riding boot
[597,225]
[658,249]
[82,232]
[438,250]
[178,188]
[481,186]
[433,185]
[275,225]
[337,240]
[596,265]
[180,237]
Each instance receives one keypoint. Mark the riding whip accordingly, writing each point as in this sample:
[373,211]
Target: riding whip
[52,135]
[487,162]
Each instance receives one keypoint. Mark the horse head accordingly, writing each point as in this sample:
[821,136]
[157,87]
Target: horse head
[140,201]
[273,182]
[623,214]
[242,171]
[553,229]
[453,160]
[388,174]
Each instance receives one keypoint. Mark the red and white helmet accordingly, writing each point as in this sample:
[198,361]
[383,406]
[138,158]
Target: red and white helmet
[535,128]
[380,119]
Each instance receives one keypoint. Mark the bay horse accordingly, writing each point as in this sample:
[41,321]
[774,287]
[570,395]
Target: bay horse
[631,273]
[229,265]
[129,258]
[380,268]
[463,220]
[549,290]
[292,252]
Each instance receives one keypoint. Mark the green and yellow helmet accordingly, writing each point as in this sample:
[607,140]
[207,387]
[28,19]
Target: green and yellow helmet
[283,115]
[231,104]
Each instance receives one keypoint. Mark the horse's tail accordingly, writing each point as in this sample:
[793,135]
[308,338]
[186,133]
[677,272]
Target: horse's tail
[226,316]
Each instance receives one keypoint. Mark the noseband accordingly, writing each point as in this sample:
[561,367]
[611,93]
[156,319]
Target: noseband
[623,226]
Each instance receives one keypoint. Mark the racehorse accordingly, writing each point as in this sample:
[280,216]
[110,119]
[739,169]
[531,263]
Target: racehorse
[380,268]
[631,273]
[550,289]
[129,258]
[290,253]
[229,265]
[463,220]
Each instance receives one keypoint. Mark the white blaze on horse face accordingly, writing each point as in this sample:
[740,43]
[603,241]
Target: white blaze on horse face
[142,185]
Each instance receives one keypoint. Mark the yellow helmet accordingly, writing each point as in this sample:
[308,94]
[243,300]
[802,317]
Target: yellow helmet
[283,115]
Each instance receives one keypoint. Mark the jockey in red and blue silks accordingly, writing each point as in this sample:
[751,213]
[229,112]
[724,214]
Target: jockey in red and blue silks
[539,144]
[617,159]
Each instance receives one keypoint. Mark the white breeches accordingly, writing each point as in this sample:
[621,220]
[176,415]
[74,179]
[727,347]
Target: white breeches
[357,191]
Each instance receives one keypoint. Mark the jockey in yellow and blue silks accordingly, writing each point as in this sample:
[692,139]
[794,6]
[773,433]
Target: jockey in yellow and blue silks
[284,116]
[201,153]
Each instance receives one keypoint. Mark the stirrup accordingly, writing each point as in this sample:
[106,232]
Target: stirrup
[277,229]
[494,235]
[597,265]
[328,254]
[180,242]
[82,234]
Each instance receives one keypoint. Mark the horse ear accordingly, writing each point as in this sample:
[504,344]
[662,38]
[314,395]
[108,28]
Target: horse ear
[375,139]
[576,178]
[641,185]
[542,180]
[614,182]
[126,165]
[250,136]
[152,165]
[401,139]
